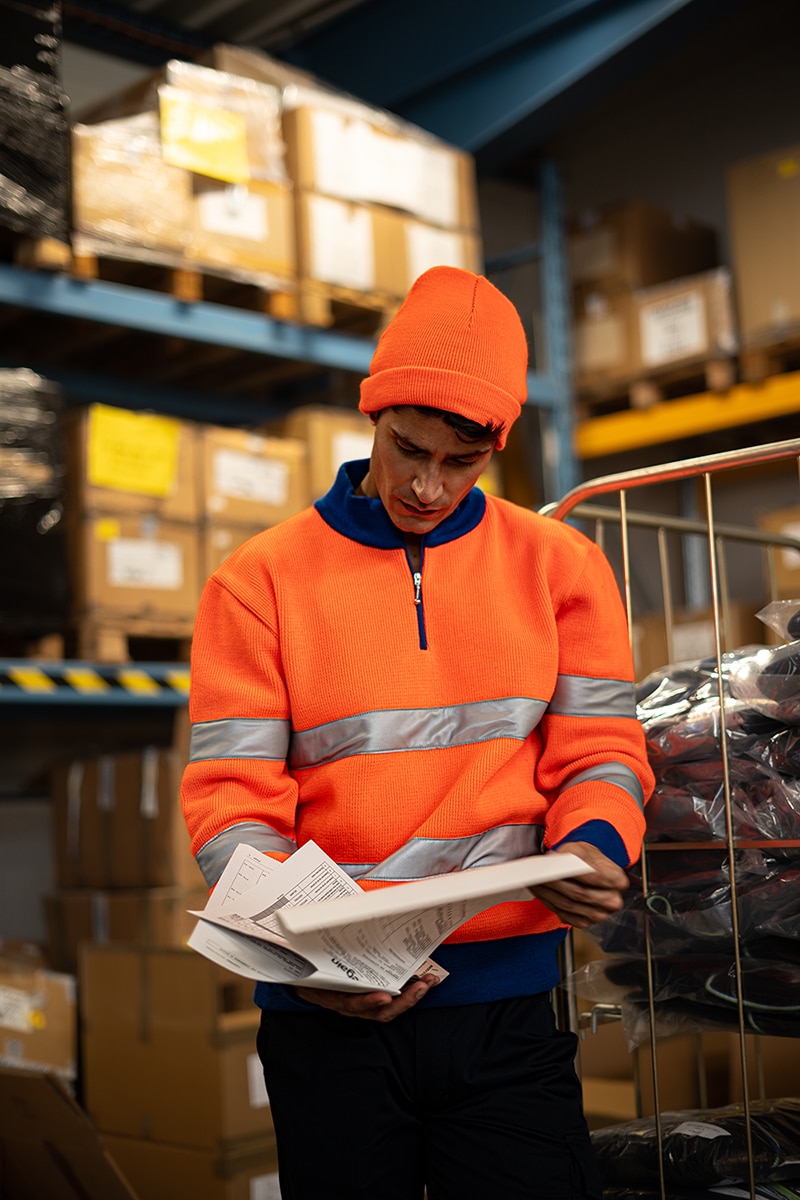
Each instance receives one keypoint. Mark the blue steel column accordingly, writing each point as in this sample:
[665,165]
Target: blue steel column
[560,463]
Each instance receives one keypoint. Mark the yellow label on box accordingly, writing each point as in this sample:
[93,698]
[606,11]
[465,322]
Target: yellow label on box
[107,529]
[203,138]
[132,452]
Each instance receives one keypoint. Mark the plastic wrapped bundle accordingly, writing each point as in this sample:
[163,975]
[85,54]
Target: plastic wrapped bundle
[34,591]
[34,125]
[702,1149]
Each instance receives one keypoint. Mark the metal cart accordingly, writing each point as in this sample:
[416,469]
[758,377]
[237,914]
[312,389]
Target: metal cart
[690,552]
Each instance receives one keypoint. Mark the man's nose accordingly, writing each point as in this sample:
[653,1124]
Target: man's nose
[427,486]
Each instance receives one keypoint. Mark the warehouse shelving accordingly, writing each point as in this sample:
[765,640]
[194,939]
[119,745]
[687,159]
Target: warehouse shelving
[688,417]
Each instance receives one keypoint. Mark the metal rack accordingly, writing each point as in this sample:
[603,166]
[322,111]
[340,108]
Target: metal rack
[580,505]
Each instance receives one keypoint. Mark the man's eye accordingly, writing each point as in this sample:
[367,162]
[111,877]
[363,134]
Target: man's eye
[407,450]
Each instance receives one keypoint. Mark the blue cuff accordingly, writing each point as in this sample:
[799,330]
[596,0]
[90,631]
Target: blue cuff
[603,837]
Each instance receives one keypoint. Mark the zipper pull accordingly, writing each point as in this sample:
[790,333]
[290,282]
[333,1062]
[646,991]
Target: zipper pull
[418,587]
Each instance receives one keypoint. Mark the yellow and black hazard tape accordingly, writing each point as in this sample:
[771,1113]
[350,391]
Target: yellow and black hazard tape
[95,683]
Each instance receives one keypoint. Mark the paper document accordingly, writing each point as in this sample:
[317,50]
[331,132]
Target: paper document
[305,921]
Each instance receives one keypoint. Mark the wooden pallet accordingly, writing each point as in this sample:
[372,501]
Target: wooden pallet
[114,638]
[94,259]
[326,306]
[606,394]
[308,302]
[774,354]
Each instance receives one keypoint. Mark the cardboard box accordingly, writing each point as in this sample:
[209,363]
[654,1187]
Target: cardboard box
[785,521]
[426,246]
[48,1145]
[135,566]
[208,122]
[342,148]
[38,1019]
[250,479]
[117,822]
[333,436]
[153,916]
[692,635]
[763,195]
[161,1172]
[604,337]
[773,1066]
[124,191]
[218,540]
[342,244]
[243,227]
[684,321]
[636,245]
[132,462]
[168,1049]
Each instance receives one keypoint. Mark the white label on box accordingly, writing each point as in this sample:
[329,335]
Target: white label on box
[673,329]
[342,249]
[791,558]
[243,477]
[265,1187]
[349,447]
[427,247]
[234,212]
[145,563]
[17,1010]
[256,1087]
[700,1129]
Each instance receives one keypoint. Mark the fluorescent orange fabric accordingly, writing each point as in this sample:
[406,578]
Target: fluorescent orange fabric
[307,625]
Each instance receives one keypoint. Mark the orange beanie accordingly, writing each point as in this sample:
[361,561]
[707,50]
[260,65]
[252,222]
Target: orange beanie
[455,343]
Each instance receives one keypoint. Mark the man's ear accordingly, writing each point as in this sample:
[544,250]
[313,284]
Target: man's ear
[373,416]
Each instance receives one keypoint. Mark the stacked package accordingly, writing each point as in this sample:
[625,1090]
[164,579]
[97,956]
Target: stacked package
[34,592]
[34,130]
[245,164]
[188,165]
[648,298]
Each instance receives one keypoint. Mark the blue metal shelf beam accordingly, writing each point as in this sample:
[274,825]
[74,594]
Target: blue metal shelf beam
[154,312]
[213,324]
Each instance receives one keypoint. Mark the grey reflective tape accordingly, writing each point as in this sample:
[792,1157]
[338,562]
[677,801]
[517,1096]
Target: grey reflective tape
[396,730]
[610,772]
[239,737]
[420,857]
[213,857]
[584,696]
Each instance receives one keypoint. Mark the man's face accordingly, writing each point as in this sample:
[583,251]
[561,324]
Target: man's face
[421,469]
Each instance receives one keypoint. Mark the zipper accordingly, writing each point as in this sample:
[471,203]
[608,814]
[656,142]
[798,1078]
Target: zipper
[417,579]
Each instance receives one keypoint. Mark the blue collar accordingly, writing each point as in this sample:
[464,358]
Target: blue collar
[365,520]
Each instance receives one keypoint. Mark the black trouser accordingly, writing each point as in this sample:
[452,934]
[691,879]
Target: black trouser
[473,1103]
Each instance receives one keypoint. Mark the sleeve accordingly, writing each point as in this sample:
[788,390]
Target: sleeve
[236,786]
[594,767]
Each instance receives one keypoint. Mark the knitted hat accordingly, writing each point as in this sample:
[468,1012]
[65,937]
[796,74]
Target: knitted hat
[455,343]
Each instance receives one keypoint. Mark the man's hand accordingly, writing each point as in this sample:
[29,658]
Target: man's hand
[585,899]
[371,1006]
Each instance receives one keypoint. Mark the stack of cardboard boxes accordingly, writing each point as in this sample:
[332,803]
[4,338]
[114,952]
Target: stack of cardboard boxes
[242,164]
[189,163]
[648,298]
[171,1077]
[123,867]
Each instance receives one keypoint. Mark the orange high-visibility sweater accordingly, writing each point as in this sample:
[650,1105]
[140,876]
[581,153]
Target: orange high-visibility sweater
[478,711]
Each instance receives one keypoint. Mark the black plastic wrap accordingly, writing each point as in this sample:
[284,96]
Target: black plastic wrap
[34,122]
[34,589]
[701,1148]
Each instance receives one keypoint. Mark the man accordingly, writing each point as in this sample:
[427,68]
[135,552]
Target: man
[424,679]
